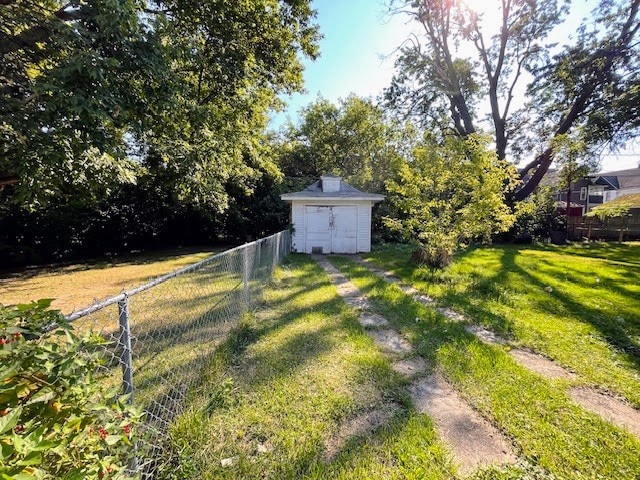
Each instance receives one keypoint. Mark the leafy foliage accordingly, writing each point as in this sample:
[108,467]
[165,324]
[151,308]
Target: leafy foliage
[616,208]
[102,92]
[353,139]
[451,192]
[588,87]
[536,217]
[56,421]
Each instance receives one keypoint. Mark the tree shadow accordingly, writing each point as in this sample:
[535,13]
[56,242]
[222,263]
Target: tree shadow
[619,336]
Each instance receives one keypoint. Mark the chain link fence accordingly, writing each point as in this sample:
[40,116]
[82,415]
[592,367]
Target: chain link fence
[162,333]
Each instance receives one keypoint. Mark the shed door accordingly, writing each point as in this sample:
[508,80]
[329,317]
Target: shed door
[331,229]
[345,229]
[318,234]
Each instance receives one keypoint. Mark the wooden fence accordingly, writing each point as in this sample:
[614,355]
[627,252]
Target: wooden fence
[591,228]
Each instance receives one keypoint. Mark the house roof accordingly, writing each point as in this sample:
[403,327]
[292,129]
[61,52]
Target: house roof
[622,179]
[345,192]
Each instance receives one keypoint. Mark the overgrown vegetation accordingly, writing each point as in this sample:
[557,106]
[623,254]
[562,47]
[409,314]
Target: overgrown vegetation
[56,420]
[452,191]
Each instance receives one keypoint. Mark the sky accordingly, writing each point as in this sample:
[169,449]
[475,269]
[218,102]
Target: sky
[357,56]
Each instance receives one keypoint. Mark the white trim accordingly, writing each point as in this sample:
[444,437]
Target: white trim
[583,193]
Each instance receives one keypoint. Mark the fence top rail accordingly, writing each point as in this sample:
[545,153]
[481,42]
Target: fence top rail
[158,280]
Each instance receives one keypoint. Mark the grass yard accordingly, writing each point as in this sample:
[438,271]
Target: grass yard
[78,285]
[281,390]
[579,305]
[548,429]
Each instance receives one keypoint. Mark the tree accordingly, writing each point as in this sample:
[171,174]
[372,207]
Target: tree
[353,139]
[451,192]
[572,156]
[454,63]
[97,92]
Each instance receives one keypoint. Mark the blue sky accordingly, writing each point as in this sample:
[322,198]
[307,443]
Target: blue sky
[357,34]
[356,56]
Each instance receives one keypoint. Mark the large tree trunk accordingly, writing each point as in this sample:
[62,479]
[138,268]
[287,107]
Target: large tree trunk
[539,166]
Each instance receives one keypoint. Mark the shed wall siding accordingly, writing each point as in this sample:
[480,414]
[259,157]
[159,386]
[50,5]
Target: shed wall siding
[364,226]
[300,222]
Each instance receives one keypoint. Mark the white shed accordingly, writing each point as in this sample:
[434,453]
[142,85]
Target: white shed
[330,216]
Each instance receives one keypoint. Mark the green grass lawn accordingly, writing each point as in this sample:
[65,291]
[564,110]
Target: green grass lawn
[285,381]
[588,322]
[547,428]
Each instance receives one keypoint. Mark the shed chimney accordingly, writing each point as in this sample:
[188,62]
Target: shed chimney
[330,183]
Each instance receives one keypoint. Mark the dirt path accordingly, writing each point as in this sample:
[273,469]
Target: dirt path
[610,408]
[473,441]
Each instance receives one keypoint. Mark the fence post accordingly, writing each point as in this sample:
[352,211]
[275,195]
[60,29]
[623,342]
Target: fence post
[127,365]
[125,339]
[245,274]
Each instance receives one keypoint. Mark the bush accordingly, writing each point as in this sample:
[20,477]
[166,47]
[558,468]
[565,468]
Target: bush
[434,257]
[450,193]
[536,217]
[56,420]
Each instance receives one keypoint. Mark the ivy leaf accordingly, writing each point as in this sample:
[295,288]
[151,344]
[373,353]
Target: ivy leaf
[10,420]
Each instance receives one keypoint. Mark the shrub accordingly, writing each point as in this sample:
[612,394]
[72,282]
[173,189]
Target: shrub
[536,217]
[449,194]
[56,420]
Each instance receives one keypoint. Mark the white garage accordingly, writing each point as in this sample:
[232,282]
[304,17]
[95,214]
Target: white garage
[330,216]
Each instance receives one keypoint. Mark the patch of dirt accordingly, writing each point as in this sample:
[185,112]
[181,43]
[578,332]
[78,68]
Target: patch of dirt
[363,424]
[485,335]
[451,314]
[409,290]
[372,320]
[541,365]
[475,443]
[390,341]
[609,408]
[410,367]
[359,302]
[347,289]
[337,278]
[425,299]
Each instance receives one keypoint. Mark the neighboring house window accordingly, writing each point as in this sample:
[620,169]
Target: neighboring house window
[583,193]
[596,191]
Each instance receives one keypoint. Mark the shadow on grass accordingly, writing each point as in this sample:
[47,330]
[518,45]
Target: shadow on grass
[473,298]
[519,400]
[624,253]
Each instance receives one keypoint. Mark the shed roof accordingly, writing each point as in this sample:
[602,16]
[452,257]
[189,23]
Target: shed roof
[345,192]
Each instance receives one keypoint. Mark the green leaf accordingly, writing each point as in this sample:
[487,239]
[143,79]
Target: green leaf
[42,396]
[10,420]
[9,371]
[22,476]
[112,439]
[6,450]
[32,458]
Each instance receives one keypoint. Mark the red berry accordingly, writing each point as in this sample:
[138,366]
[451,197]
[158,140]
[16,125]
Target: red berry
[19,428]
[3,341]
[103,433]
[127,429]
